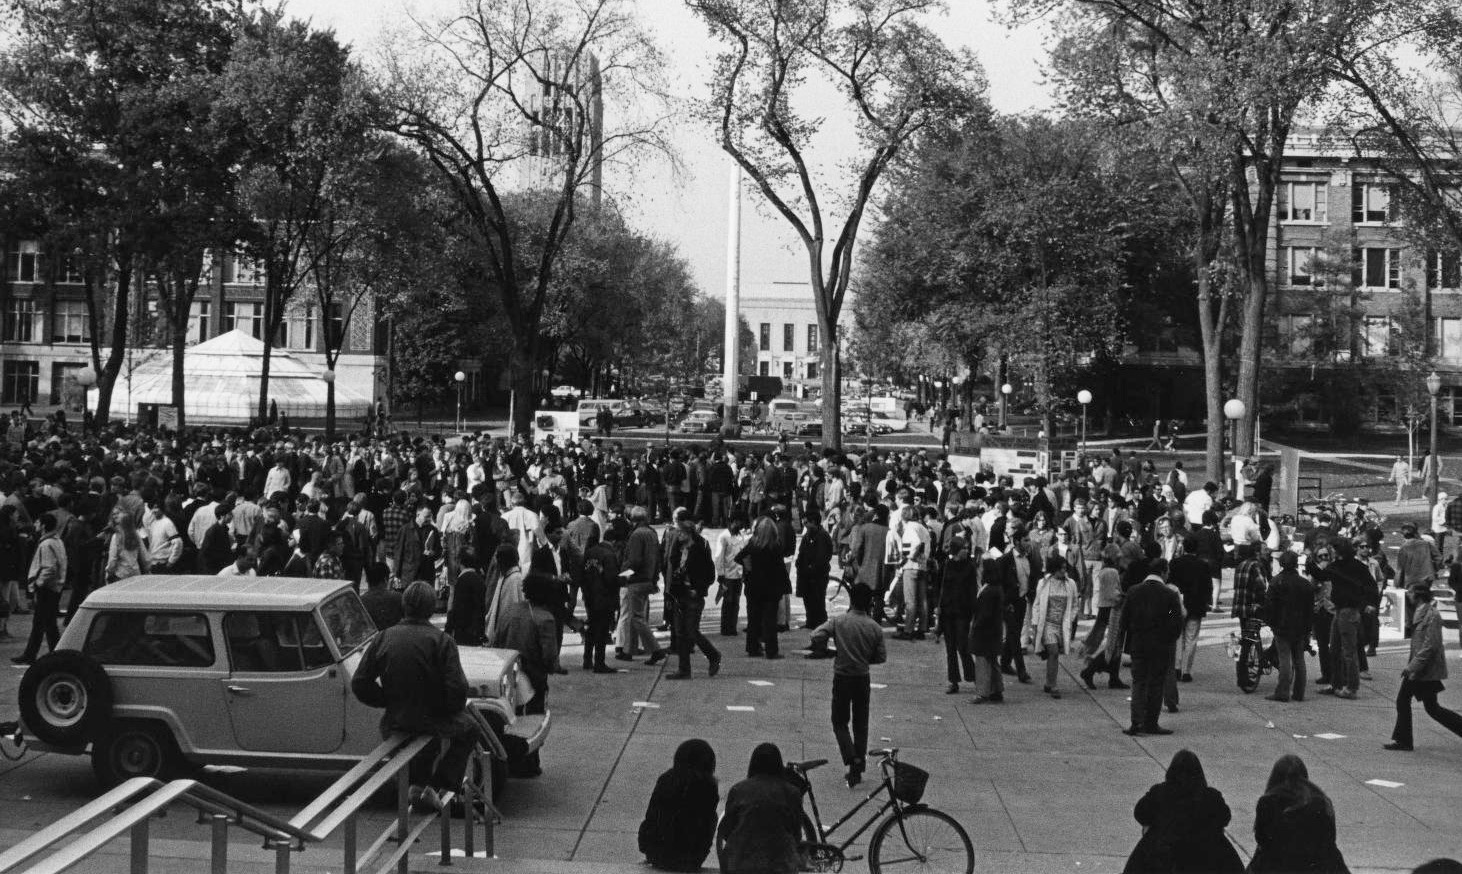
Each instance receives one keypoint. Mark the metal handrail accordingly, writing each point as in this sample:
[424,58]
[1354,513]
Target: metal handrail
[75,821]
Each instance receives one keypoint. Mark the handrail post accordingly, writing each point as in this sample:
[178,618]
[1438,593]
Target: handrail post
[348,862]
[220,843]
[281,857]
[445,817]
[469,801]
[139,845]
[489,810]
[403,813]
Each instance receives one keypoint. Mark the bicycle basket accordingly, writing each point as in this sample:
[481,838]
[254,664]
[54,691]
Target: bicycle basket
[909,782]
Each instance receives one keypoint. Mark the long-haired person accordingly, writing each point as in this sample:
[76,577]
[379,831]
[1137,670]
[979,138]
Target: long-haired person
[766,582]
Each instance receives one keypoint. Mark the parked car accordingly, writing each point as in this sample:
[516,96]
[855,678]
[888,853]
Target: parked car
[701,422]
[589,408]
[565,391]
[159,674]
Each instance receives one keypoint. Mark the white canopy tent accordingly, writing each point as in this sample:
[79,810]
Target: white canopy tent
[222,383]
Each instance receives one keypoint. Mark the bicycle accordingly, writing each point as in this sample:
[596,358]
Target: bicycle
[907,834]
[1253,653]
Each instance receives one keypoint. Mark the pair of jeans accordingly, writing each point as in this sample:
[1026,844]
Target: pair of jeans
[730,606]
[850,704]
[720,509]
[1188,645]
[916,600]
[1291,684]
[688,634]
[956,632]
[43,624]
[1424,691]
[1344,649]
[1012,655]
[1149,673]
[761,627]
[634,600]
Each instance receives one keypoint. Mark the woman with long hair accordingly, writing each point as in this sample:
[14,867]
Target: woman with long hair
[505,585]
[1294,824]
[126,556]
[457,534]
[758,834]
[1183,819]
[766,582]
[680,821]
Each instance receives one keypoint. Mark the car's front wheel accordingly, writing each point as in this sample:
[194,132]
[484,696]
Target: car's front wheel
[135,749]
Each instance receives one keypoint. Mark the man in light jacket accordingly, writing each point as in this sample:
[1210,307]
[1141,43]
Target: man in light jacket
[1424,672]
[46,578]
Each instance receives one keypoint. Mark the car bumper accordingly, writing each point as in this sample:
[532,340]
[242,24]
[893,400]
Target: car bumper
[531,730]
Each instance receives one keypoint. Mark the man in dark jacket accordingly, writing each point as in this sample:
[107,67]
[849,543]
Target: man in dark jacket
[1424,672]
[1288,608]
[986,625]
[413,671]
[690,570]
[720,482]
[1191,574]
[1020,571]
[601,584]
[1352,591]
[1152,619]
[814,564]
[957,595]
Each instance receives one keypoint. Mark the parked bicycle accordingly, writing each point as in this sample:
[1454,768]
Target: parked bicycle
[1252,650]
[907,834]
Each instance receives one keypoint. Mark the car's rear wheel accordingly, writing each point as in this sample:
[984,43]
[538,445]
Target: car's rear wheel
[135,749]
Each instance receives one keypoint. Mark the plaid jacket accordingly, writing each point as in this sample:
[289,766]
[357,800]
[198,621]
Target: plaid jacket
[1249,590]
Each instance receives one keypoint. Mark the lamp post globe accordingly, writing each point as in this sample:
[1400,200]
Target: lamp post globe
[1006,389]
[1083,397]
[1234,409]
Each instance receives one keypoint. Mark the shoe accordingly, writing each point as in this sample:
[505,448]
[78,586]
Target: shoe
[1347,694]
[1052,691]
[820,654]
[783,629]
[677,676]
[426,799]
[588,666]
[663,626]
[23,660]
[951,689]
[1276,698]
[1154,729]
[714,668]
[853,777]
[730,634]
[1186,678]
[1365,675]
[621,657]
[1133,732]
[1117,684]
[1325,690]
[773,656]
[986,699]
[604,669]
[656,657]
[1088,677]
[1297,699]
[1395,747]
[1371,653]
[1024,678]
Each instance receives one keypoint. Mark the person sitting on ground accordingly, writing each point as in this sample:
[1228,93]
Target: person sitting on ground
[680,821]
[759,832]
[1184,819]
[1294,824]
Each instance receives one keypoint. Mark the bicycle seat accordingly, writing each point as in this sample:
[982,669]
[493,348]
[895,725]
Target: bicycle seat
[883,753]
[808,765]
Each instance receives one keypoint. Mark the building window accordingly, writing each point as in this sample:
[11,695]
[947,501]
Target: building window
[1443,270]
[1377,268]
[71,323]
[1378,337]
[1297,334]
[63,381]
[24,322]
[812,370]
[246,317]
[786,370]
[811,339]
[789,338]
[23,262]
[71,273]
[20,382]
[198,323]
[239,269]
[1304,202]
[1299,264]
[764,342]
[1448,334]
[764,368]
[297,331]
[1371,202]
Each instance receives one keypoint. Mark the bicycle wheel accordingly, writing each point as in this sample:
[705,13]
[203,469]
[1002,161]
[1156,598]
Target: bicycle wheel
[1248,669]
[929,840]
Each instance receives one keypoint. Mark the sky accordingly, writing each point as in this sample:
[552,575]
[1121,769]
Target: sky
[690,208]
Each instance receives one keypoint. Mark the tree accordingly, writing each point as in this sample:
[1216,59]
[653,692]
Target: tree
[553,89]
[894,77]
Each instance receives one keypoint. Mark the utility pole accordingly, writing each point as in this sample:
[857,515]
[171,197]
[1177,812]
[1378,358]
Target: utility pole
[730,364]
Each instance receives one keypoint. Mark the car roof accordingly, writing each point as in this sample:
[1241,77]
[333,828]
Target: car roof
[200,592]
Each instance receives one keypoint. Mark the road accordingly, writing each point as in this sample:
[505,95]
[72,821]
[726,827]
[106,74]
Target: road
[1040,784]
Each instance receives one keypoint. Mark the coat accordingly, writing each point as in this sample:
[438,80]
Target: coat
[1049,586]
[601,581]
[766,574]
[680,821]
[987,624]
[1152,619]
[1289,607]
[1184,833]
[814,563]
[760,826]
[866,553]
[1294,831]
[1428,662]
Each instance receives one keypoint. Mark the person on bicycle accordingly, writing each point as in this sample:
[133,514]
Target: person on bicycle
[758,833]
[860,643]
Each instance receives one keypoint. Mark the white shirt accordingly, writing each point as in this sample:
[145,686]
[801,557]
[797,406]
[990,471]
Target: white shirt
[1196,504]
[278,480]
[1244,529]
[1439,514]
[728,545]
[202,520]
[915,544]
[163,544]
[232,570]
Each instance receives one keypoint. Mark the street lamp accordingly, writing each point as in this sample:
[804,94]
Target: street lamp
[1234,410]
[86,378]
[460,378]
[1433,387]
[868,415]
[1083,397]
[1005,391]
[329,377]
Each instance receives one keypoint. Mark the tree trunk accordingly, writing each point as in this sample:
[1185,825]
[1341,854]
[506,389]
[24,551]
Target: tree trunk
[523,381]
[330,407]
[828,365]
[1211,332]
[264,383]
[1250,349]
[106,378]
[180,344]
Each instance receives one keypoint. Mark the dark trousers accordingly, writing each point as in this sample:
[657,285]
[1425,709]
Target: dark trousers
[730,606]
[1322,645]
[1426,692]
[761,627]
[1149,673]
[688,635]
[1291,652]
[443,763]
[850,703]
[1010,650]
[720,508]
[956,632]
[43,622]
[600,627]
[816,607]
[1345,649]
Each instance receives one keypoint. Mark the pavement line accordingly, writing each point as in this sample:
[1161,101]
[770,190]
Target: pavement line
[618,757]
[1008,817]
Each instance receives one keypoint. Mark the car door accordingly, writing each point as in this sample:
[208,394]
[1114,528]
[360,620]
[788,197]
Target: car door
[284,690]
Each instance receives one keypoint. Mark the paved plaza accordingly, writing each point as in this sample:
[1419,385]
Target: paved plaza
[1040,784]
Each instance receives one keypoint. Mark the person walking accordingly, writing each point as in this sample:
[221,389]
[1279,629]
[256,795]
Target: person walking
[1289,608]
[1052,619]
[1152,619]
[1422,677]
[860,643]
[641,568]
[691,573]
[1400,476]
[957,594]
[1294,824]
[729,544]
[46,577]
[1183,821]
[986,625]
[1249,589]
[127,555]
[1020,569]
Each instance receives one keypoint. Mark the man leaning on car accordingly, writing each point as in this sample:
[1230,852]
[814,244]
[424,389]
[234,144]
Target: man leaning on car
[414,672]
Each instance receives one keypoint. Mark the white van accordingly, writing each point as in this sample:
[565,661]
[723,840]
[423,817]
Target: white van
[590,408]
[779,410]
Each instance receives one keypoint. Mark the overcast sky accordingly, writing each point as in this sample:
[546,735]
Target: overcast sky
[691,211]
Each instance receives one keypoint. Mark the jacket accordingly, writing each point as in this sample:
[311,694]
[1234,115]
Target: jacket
[680,821]
[1289,607]
[1416,562]
[814,563]
[987,623]
[1249,589]
[760,826]
[533,633]
[766,574]
[1010,580]
[1351,584]
[1152,619]
[642,555]
[1049,586]
[1191,575]
[48,564]
[1294,831]
[1184,832]
[958,591]
[1428,662]
[866,553]
[414,672]
[601,581]
[467,614]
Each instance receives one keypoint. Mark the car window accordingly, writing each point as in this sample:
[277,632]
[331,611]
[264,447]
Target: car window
[348,621]
[178,640]
[274,642]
